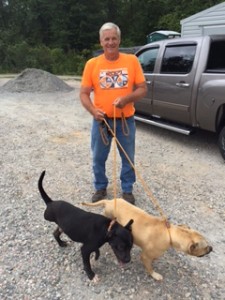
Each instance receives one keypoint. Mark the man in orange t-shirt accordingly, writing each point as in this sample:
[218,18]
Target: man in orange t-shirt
[117,81]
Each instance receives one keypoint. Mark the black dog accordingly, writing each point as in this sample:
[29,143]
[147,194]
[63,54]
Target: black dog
[90,229]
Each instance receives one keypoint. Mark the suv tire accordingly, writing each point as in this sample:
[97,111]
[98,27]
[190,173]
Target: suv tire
[222,142]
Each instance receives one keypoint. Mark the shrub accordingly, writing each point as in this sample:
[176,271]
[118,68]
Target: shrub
[16,58]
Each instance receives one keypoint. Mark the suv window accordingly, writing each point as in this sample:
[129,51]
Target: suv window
[178,59]
[147,59]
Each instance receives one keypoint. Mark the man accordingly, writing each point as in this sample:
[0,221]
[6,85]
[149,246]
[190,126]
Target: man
[117,81]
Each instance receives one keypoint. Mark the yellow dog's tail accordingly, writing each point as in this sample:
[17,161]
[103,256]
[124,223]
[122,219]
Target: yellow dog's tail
[98,203]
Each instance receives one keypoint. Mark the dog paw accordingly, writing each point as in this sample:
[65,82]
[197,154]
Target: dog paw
[96,279]
[157,276]
[63,244]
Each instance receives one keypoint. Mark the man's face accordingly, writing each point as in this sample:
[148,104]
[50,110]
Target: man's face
[110,41]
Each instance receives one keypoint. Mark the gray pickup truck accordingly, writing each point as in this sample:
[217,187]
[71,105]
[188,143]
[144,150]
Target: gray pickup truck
[186,85]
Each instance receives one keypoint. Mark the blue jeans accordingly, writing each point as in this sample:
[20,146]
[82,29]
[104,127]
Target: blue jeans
[100,153]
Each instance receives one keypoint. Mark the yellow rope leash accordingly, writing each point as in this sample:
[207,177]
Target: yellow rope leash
[146,188]
[114,156]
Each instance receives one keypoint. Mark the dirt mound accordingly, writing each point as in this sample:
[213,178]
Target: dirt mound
[36,81]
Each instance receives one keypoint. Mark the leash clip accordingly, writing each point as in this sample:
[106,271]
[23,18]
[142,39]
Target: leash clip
[167,223]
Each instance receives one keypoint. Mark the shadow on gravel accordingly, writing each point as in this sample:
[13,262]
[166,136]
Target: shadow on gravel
[201,140]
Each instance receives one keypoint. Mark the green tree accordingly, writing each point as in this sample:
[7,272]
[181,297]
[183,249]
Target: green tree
[68,29]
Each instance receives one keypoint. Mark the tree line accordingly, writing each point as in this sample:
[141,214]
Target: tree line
[59,36]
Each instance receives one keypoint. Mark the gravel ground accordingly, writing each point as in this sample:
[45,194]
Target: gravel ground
[51,131]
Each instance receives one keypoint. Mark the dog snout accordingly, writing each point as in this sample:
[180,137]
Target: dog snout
[122,258]
[207,251]
[210,248]
[123,262]
[126,260]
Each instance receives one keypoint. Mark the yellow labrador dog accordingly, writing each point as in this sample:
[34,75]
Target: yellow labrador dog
[152,234]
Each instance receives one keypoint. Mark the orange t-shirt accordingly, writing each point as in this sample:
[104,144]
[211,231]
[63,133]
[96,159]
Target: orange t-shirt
[112,79]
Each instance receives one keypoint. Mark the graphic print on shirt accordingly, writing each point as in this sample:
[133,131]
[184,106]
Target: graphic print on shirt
[113,79]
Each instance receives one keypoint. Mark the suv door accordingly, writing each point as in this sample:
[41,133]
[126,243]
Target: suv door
[147,59]
[173,83]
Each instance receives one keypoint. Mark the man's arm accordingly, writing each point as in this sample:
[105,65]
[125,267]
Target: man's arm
[138,93]
[85,97]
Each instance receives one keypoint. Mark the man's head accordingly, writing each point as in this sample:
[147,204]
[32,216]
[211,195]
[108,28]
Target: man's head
[109,35]
[109,26]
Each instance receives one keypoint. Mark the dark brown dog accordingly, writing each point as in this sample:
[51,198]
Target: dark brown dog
[92,230]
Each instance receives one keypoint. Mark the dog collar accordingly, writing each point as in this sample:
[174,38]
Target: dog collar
[113,221]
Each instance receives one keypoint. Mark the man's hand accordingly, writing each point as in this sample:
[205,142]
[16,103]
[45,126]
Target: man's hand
[120,102]
[98,114]
[138,93]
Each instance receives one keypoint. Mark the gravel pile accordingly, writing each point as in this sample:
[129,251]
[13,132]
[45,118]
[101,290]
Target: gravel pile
[51,131]
[36,81]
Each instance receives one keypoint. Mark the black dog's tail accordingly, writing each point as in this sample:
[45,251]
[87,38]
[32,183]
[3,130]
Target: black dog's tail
[45,197]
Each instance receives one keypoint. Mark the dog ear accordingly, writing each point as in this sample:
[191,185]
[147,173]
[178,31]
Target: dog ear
[128,226]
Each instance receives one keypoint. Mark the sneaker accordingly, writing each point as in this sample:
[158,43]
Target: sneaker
[129,197]
[99,195]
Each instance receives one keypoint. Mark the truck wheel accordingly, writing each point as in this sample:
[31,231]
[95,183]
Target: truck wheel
[222,142]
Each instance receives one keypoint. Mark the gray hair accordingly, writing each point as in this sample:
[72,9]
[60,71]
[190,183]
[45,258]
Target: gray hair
[108,26]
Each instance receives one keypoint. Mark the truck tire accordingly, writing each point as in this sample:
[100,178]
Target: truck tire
[222,142]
